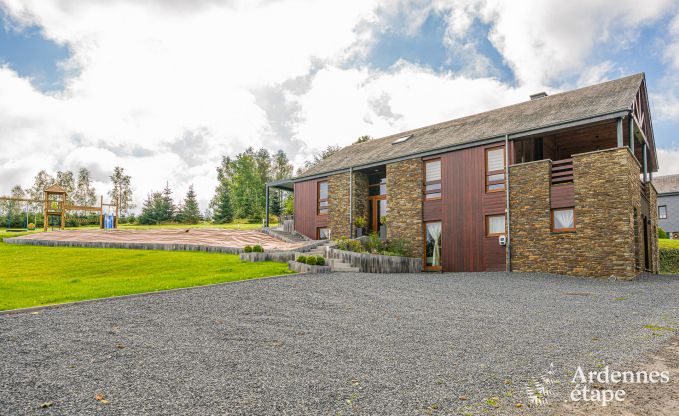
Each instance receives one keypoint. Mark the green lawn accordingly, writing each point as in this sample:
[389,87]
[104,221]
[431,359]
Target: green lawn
[667,243]
[33,275]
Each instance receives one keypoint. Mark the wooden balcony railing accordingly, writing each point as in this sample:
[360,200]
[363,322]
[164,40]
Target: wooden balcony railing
[562,171]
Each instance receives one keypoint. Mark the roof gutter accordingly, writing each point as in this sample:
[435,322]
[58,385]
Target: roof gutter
[488,140]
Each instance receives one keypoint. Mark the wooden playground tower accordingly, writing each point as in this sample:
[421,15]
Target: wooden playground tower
[55,203]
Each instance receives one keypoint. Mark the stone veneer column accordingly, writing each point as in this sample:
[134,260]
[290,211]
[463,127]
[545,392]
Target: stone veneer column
[404,203]
[338,205]
[606,192]
[338,201]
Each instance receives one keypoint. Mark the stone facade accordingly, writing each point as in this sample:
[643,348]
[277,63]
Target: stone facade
[607,194]
[338,202]
[404,203]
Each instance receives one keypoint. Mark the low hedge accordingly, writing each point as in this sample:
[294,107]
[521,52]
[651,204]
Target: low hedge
[669,260]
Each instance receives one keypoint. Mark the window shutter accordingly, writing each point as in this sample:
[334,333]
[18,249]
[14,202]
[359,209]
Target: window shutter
[433,171]
[496,160]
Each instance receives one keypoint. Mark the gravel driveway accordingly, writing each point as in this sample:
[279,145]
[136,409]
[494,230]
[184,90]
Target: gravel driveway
[329,344]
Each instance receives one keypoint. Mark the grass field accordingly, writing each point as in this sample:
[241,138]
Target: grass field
[667,243]
[33,275]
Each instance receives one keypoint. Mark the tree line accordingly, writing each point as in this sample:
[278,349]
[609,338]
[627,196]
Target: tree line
[239,194]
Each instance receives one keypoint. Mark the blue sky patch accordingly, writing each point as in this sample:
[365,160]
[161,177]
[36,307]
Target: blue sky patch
[32,56]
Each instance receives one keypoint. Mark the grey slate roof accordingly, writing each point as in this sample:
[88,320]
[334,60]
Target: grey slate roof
[600,99]
[666,184]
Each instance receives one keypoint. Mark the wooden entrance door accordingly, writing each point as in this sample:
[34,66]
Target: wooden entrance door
[378,208]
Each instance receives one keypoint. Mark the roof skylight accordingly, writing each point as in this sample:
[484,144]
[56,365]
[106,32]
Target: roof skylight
[402,139]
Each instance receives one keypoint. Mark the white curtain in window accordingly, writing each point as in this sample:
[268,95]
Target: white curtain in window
[433,171]
[434,230]
[564,218]
[496,224]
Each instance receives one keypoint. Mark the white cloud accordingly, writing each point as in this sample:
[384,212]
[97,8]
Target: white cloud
[164,88]
[668,159]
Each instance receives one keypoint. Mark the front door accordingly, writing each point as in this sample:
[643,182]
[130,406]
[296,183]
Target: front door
[378,210]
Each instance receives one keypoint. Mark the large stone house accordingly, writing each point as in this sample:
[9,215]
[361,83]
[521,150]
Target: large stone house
[668,204]
[559,183]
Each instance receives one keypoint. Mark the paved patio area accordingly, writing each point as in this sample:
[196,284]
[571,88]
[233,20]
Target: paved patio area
[210,237]
[340,343]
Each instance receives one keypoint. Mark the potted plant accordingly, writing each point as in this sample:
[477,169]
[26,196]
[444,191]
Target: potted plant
[360,223]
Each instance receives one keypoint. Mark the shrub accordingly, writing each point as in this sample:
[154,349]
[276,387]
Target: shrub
[257,249]
[661,233]
[31,226]
[374,243]
[398,246]
[669,260]
[360,222]
[247,249]
[342,243]
[355,246]
[320,261]
[301,259]
[311,260]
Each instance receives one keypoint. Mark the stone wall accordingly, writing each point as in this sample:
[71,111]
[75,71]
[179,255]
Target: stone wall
[338,202]
[404,203]
[607,190]
[338,205]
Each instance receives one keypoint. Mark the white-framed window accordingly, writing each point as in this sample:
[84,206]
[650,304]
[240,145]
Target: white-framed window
[563,220]
[662,212]
[495,225]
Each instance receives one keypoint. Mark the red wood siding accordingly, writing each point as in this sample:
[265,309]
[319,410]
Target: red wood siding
[306,200]
[464,207]
[562,196]
[431,210]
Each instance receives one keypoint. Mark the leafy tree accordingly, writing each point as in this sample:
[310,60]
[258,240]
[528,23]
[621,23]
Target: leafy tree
[121,190]
[85,194]
[66,180]
[329,151]
[281,168]
[290,205]
[250,171]
[18,192]
[42,180]
[190,211]
[363,139]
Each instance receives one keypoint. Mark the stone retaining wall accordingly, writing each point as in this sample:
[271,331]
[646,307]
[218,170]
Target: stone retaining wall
[376,263]
[298,267]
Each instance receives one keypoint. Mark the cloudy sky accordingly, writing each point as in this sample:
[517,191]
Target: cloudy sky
[165,87]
